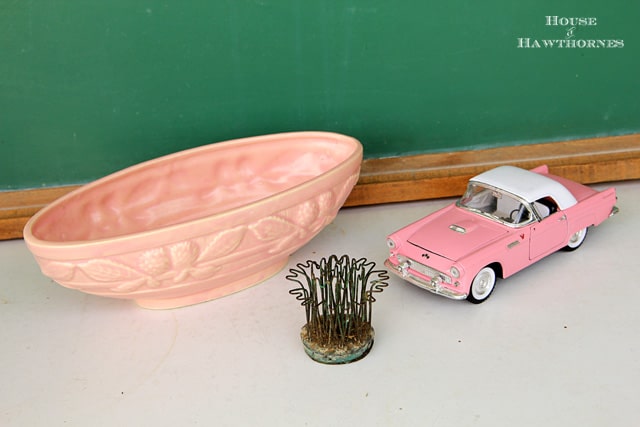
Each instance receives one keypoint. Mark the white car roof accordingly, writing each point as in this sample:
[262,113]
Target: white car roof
[530,186]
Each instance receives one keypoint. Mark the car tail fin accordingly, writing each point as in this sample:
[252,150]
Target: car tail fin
[541,169]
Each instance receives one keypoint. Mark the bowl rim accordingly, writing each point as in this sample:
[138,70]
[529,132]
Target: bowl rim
[34,242]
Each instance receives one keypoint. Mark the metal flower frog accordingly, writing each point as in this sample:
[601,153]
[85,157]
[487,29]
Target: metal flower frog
[337,294]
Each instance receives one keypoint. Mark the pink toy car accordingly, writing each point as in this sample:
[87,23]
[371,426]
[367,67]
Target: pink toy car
[507,219]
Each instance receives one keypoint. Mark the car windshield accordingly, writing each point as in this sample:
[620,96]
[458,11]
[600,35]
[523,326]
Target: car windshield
[497,205]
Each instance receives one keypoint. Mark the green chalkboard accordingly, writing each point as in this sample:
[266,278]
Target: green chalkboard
[88,87]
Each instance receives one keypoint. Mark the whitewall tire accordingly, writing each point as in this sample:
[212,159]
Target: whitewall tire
[482,285]
[576,239]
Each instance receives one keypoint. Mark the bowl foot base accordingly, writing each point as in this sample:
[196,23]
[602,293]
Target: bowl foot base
[217,292]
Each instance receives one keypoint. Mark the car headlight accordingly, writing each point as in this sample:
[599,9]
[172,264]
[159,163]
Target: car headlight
[454,272]
[391,244]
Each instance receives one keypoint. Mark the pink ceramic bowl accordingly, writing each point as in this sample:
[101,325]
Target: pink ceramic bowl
[198,224]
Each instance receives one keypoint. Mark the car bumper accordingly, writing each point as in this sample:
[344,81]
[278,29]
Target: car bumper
[430,285]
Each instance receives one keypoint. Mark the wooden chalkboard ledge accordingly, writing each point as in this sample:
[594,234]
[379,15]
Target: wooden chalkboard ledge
[426,176]
[430,176]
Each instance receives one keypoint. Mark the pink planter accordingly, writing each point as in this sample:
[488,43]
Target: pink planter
[198,224]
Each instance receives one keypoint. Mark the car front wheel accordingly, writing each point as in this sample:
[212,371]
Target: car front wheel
[576,240]
[482,285]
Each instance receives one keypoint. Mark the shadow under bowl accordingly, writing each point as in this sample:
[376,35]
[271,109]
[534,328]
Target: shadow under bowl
[198,224]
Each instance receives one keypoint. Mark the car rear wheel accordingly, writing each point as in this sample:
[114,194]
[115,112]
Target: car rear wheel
[482,285]
[576,240]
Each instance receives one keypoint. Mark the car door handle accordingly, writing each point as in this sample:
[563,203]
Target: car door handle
[562,218]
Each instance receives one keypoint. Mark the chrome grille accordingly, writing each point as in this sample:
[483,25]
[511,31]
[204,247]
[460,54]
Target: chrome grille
[427,271]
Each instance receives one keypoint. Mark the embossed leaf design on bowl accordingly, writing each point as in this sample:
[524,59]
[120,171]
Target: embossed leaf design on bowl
[197,224]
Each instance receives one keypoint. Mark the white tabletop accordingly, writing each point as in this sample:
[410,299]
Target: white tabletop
[557,344]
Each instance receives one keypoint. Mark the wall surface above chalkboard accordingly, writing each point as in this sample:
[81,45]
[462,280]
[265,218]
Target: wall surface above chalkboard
[90,87]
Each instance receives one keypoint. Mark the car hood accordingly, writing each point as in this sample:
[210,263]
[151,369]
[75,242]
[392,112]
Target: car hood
[455,233]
